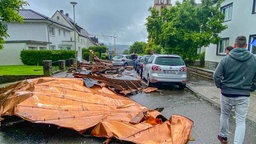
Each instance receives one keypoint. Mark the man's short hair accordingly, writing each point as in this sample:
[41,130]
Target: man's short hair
[240,41]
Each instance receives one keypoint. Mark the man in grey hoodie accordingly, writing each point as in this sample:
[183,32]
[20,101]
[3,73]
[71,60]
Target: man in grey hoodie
[236,77]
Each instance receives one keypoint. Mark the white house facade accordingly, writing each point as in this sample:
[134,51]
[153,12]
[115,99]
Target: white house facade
[83,39]
[37,32]
[240,18]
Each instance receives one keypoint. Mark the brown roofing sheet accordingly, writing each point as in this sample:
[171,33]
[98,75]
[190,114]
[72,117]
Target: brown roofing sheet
[66,102]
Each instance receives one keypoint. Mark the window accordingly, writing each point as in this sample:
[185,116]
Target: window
[221,46]
[254,7]
[227,11]
[32,48]
[150,60]
[169,61]
[59,31]
[52,47]
[64,32]
[128,57]
[51,30]
[252,48]
[42,48]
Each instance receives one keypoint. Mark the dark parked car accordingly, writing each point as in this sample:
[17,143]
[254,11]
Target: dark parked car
[141,64]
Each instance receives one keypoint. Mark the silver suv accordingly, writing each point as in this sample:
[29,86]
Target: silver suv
[122,60]
[165,69]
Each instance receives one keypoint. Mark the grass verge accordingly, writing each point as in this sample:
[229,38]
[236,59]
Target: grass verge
[21,70]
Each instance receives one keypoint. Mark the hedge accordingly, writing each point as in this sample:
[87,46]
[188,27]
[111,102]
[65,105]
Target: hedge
[36,57]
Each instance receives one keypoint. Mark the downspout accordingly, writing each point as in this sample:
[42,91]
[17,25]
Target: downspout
[48,34]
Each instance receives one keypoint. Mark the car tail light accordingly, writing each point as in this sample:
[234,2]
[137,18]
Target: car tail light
[156,68]
[183,69]
[143,65]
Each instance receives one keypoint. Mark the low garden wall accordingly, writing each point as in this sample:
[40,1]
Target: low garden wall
[13,78]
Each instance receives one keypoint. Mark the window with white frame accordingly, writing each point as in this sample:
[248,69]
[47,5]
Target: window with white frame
[52,47]
[254,7]
[42,48]
[221,46]
[251,47]
[227,11]
[51,30]
[32,48]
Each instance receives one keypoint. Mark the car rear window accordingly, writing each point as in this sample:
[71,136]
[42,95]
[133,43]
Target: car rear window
[170,61]
[146,58]
[128,57]
[117,57]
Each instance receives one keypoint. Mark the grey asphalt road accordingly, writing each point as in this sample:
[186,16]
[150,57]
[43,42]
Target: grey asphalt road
[204,114]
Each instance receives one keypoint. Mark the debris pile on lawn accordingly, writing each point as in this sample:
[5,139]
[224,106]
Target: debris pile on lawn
[67,103]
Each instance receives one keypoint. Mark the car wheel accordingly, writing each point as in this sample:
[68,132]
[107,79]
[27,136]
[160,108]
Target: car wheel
[182,86]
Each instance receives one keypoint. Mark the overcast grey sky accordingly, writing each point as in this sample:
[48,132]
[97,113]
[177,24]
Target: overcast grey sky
[125,18]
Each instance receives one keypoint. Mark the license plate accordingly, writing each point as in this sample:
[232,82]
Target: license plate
[170,71]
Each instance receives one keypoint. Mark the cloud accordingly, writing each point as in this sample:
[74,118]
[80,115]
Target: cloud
[125,18]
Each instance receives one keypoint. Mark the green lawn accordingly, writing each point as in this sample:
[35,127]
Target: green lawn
[21,70]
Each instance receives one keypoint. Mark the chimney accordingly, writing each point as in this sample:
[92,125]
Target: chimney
[66,14]
[61,11]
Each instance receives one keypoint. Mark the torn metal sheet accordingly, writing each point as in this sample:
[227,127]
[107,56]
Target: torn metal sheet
[67,103]
[149,89]
[122,86]
[90,82]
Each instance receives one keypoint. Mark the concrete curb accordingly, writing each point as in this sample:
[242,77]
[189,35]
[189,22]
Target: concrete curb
[202,96]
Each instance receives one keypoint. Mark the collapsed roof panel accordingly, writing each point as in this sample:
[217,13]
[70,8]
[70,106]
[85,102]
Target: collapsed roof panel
[67,103]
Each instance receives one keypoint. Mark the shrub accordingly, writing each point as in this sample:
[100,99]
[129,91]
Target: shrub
[105,56]
[36,57]
[97,54]
[86,56]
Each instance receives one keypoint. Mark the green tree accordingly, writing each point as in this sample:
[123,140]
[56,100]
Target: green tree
[154,25]
[152,47]
[9,12]
[126,52]
[138,47]
[186,27]
[99,49]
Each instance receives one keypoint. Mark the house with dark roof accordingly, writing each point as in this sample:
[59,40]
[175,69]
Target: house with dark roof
[83,39]
[36,32]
